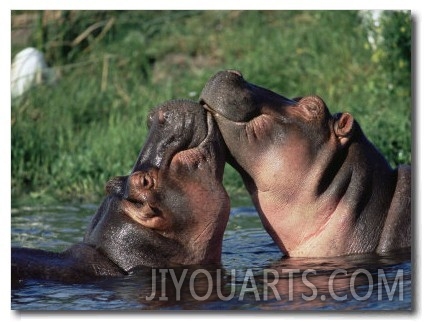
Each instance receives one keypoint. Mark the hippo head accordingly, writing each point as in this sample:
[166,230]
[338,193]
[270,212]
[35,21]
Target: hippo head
[172,209]
[268,134]
[280,146]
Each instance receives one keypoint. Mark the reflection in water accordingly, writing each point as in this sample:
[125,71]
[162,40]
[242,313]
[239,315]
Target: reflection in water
[253,275]
[346,283]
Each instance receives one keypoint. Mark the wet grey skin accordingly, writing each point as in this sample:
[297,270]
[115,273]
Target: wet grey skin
[320,186]
[172,209]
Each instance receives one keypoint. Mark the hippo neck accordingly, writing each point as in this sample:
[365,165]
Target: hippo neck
[355,189]
[354,174]
[366,192]
[353,184]
[138,249]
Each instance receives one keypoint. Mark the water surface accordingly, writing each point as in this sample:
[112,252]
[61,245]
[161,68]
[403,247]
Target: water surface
[253,275]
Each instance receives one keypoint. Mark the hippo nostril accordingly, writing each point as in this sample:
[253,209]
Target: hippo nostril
[236,72]
[147,181]
[139,183]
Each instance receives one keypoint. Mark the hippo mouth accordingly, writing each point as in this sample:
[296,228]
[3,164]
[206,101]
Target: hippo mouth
[195,155]
[229,96]
[249,130]
[178,129]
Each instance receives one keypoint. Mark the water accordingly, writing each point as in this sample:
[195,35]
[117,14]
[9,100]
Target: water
[253,276]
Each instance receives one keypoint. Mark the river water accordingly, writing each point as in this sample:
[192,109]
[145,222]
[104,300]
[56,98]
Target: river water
[253,274]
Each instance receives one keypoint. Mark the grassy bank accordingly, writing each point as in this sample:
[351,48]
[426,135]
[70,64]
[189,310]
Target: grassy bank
[68,139]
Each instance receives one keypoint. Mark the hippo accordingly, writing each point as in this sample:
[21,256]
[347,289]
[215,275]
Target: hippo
[172,209]
[320,187]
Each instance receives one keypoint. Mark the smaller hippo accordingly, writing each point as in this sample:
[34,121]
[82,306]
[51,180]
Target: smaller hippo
[171,210]
[320,187]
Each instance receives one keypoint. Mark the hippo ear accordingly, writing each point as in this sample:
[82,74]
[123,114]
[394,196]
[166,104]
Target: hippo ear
[311,107]
[343,126]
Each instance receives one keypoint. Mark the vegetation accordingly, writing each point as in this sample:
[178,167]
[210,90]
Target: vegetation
[68,139]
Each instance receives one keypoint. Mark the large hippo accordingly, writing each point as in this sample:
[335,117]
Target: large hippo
[320,187]
[171,210]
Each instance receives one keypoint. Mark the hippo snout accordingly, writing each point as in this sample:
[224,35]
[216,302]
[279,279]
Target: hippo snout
[221,84]
[224,93]
[229,95]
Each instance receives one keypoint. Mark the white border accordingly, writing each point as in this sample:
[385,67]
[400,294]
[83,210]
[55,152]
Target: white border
[421,163]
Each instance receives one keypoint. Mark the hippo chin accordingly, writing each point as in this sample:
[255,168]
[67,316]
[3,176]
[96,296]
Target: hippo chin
[320,187]
[171,210]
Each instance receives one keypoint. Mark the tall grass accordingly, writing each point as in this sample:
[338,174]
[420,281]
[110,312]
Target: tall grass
[69,139]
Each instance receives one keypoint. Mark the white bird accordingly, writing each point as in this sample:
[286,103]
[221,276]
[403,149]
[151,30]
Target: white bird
[28,68]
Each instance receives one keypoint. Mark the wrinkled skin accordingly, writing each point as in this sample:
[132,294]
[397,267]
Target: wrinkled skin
[171,210]
[320,187]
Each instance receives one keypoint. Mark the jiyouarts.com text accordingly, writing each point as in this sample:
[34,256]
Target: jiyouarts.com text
[275,284]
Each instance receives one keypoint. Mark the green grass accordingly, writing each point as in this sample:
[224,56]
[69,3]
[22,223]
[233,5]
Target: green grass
[69,139]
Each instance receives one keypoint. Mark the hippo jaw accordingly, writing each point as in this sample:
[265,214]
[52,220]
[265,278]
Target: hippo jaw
[198,171]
